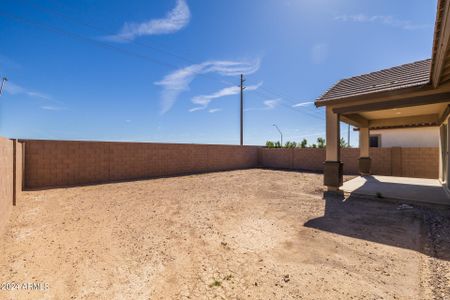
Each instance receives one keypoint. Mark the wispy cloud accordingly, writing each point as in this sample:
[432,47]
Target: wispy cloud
[302,104]
[214,110]
[271,104]
[319,53]
[196,108]
[380,19]
[178,81]
[175,20]
[268,105]
[204,100]
[46,101]
[15,89]
[52,107]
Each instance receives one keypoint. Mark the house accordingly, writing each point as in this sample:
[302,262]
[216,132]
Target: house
[413,95]
[416,137]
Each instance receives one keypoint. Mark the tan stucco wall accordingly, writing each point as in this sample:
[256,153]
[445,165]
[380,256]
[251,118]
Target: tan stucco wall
[409,137]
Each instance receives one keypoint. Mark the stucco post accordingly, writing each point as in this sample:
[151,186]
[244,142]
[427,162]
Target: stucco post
[447,175]
[333,168]
[441,152]
[364,161]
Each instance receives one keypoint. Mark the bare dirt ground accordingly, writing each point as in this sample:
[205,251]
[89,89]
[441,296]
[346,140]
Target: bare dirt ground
[253,234]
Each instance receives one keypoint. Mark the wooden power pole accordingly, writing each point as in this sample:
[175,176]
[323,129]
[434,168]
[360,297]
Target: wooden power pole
[242,108]
[4,79]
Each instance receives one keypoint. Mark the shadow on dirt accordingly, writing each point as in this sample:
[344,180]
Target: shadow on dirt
[422,229]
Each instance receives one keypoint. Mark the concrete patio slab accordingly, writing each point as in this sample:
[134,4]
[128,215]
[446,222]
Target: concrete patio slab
[411,190]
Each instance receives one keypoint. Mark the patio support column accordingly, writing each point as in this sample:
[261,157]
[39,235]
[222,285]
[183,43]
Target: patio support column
[447,158]
[442,152]
[333,167]
[364,161]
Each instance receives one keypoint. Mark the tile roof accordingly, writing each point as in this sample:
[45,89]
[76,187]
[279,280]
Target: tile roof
[408,75]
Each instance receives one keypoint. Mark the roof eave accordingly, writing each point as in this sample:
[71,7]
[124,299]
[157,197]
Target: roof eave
[441,18]
[375,95]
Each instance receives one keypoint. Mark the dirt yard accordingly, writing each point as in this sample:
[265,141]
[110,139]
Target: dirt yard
[253,234]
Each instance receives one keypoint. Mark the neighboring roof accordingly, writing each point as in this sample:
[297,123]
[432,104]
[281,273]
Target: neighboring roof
[408,75]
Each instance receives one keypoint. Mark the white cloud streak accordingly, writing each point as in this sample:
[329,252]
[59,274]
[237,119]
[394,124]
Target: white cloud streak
[15,89]
[214,110]
[271,104]
[52,108]
[204,100]
[175,20]
[268,105]
[46,101]
[178,81]
[380,19]
[302,104]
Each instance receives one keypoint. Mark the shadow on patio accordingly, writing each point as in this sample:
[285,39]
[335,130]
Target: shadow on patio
[405,189]
[426,230]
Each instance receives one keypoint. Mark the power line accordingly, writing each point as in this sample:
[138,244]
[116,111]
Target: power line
[83,38]
[102,44]
[146,45]
[291,108]
[105,31]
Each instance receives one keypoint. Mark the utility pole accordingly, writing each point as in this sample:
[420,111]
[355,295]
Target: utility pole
[4,79]
[348,135]
[242,108]
[281,134]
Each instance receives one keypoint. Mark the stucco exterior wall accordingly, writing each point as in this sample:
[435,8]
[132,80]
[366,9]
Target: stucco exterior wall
[409,137]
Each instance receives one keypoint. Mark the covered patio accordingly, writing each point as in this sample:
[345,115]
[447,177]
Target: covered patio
[400,189]
[407,96]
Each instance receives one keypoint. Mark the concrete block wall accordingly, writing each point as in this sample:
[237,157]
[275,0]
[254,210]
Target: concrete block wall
[420,162]
[6,181]
[406,162]
[66,163]
[10,178]
[383,162]
[306,159]
[18,170]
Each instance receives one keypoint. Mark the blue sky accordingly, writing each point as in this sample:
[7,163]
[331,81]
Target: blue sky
[167,70]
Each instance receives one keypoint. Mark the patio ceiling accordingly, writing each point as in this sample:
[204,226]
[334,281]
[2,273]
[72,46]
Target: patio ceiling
[405,107]
[413,116]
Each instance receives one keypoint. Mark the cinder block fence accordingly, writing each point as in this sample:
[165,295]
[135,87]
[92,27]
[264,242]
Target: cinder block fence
[403,162]
[31,164]
[11,174]
[66,163]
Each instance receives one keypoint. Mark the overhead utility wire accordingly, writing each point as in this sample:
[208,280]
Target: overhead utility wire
[123,51]
[105,31]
